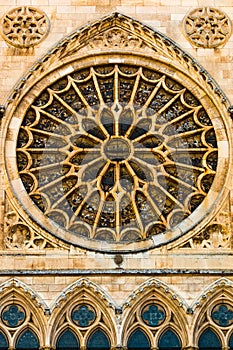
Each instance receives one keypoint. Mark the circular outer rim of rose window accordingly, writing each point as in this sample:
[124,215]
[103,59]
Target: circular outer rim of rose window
[181,232]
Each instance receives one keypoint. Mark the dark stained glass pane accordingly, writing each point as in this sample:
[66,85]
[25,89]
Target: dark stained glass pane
[98,341]
[169,340]
[67,341]
[138,340]
[27,340]
[209,341]
[231,342]
[3,342]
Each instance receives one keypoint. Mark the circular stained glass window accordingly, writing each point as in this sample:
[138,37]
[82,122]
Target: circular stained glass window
[115,154]
[153,315]
[222,315]
[13,315]
[83,315]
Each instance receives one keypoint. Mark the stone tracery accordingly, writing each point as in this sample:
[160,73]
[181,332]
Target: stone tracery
[207,27]
[117,153]
[24,26]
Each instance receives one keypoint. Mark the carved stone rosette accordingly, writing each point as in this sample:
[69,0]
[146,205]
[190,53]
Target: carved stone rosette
[24,26]
[207,27]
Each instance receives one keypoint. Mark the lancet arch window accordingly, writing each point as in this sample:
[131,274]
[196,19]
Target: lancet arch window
[209,340]
[154,322]
[67,340]
[27,340]
[169,340]
[83,322]
[22,321]
[138,340]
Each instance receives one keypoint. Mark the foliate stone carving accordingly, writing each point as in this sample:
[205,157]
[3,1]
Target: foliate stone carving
[24,26]
[20,236]
[207,27]
[217,235]
[116,38]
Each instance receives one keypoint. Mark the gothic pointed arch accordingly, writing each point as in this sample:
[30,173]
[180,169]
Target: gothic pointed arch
[84,309]
[22,313]
[111,151]
[213,313]
[154,308]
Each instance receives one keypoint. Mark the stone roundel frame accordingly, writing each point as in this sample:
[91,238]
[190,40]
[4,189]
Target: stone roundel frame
[75,57]
[24,26]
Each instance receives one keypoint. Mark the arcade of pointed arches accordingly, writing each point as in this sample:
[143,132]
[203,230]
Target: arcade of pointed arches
[84,316]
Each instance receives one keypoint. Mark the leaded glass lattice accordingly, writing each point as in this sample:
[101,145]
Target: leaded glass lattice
[116,153]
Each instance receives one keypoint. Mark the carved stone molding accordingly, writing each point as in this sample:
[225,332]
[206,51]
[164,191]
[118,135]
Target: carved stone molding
[217,235]
[19,236]
[207,27]
[24,26]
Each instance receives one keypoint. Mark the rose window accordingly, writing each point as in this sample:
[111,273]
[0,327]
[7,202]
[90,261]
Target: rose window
[116,153]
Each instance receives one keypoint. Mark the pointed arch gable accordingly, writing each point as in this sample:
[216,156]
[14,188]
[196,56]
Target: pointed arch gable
[78,287]
[31,302]
[99,43]
[155,285]
[24,291]
[212,291]
[83,292]
[166,301]
[219,292]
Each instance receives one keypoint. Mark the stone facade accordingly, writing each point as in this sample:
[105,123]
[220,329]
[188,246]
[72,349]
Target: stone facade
[54,279]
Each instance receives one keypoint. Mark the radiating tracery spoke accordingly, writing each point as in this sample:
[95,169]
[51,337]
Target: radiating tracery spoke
[117,153]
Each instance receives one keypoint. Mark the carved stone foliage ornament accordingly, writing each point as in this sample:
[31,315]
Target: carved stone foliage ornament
[20,236]
[207,27]
[112,155]
[24,26]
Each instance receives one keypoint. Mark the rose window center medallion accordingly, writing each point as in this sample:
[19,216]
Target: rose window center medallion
[117,149]
[116,153]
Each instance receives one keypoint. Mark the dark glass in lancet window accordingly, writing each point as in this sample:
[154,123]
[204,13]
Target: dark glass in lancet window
[98,341]
[27,341]
[138,340]
[67,341]
[169,341]
[3,342]
[231,342]
[209,341]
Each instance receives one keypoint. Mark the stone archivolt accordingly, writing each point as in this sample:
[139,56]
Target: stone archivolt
[24,26]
